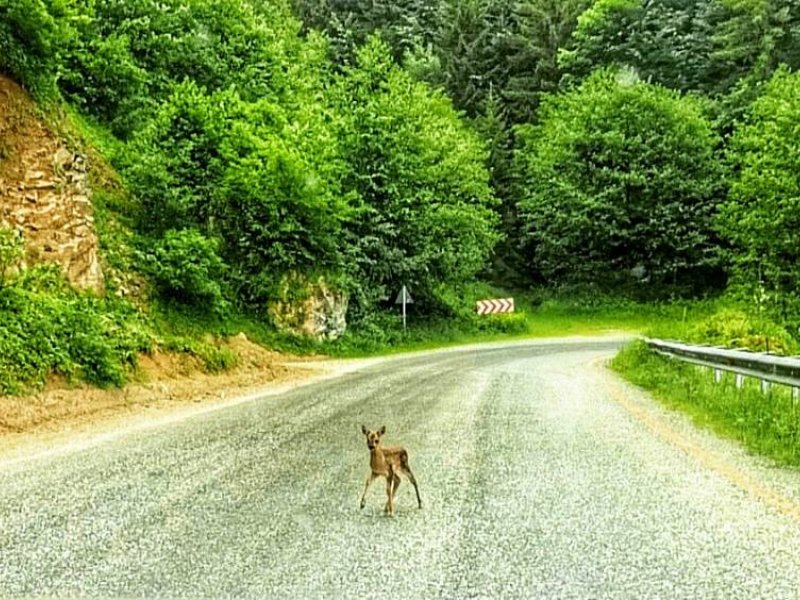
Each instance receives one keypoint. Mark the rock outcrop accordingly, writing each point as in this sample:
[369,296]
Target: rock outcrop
[310,308]
[44,193]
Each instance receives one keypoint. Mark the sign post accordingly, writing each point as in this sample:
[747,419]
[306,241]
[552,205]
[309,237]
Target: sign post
[404,298]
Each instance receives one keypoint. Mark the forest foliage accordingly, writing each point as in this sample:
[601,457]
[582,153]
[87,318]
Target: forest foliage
[642,146]
[633,140]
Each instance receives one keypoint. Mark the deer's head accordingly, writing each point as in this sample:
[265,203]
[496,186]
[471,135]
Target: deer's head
[373,437]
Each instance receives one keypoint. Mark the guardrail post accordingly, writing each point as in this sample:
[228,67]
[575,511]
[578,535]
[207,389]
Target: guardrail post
[795,394]
[739,381]
[717,375]
[765,385]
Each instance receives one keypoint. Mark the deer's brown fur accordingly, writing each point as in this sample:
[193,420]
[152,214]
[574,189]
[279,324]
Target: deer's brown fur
[387,462]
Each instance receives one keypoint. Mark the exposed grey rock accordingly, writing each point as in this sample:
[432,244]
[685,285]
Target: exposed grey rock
[310,308]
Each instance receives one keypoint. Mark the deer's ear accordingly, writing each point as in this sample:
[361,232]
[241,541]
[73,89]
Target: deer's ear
[383,429]
[364,430]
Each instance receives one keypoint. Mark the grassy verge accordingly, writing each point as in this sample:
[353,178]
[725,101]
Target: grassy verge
[765,423]
[382,333]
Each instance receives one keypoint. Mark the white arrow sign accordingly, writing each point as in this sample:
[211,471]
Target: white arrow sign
[494,306]
[403,297]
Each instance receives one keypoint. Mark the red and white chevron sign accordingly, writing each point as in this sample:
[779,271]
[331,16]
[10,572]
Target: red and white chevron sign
[490,307]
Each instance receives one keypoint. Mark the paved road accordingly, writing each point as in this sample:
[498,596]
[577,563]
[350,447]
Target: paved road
[538,482]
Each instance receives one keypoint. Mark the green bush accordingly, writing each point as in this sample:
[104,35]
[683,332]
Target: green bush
[46,327]
[11,251]
[31,32]
[186,267]
[262,178]
[173,164]
[511,324]
[278,204]
[736,329]
[100,76]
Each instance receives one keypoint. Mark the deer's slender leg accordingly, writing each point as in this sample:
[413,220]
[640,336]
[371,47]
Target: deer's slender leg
[389,486]
[396,483]
[407,472]
[370,478]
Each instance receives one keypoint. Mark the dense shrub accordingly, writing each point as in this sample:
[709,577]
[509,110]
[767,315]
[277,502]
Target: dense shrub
[254,174]
[31,32]
[186,267]
[279,205]
[100,75]
[737,329]
[122,58]
[174,164]
[47,327]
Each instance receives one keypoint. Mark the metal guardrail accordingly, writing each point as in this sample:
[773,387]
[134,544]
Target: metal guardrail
[784,370]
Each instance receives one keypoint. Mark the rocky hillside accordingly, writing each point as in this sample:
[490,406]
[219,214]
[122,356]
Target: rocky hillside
[44,193]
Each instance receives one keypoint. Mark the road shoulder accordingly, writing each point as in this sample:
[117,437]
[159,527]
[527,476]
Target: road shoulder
[776,486]
[64,419]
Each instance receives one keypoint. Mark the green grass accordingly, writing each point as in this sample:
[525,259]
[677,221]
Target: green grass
[535,318]
[766,423]
[382,333]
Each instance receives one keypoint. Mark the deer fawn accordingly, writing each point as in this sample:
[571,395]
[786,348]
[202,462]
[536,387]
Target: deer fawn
[387,462]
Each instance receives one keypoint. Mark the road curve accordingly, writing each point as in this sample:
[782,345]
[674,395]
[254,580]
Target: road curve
[539,480]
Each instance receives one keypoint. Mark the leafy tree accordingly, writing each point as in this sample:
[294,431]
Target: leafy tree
[619,184]
[261,177]
[424,210]
[542,27]
[404,24]
[126,57]
[466,35]
[279,206]
[761,219]
[752,38]
[31,31]
[174,163]
[506,49]
[663,41]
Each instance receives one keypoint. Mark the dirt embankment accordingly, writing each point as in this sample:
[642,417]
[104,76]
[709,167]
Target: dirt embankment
[168,384]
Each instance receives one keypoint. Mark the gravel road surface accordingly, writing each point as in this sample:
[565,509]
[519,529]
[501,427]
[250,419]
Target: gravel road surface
[542,476]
